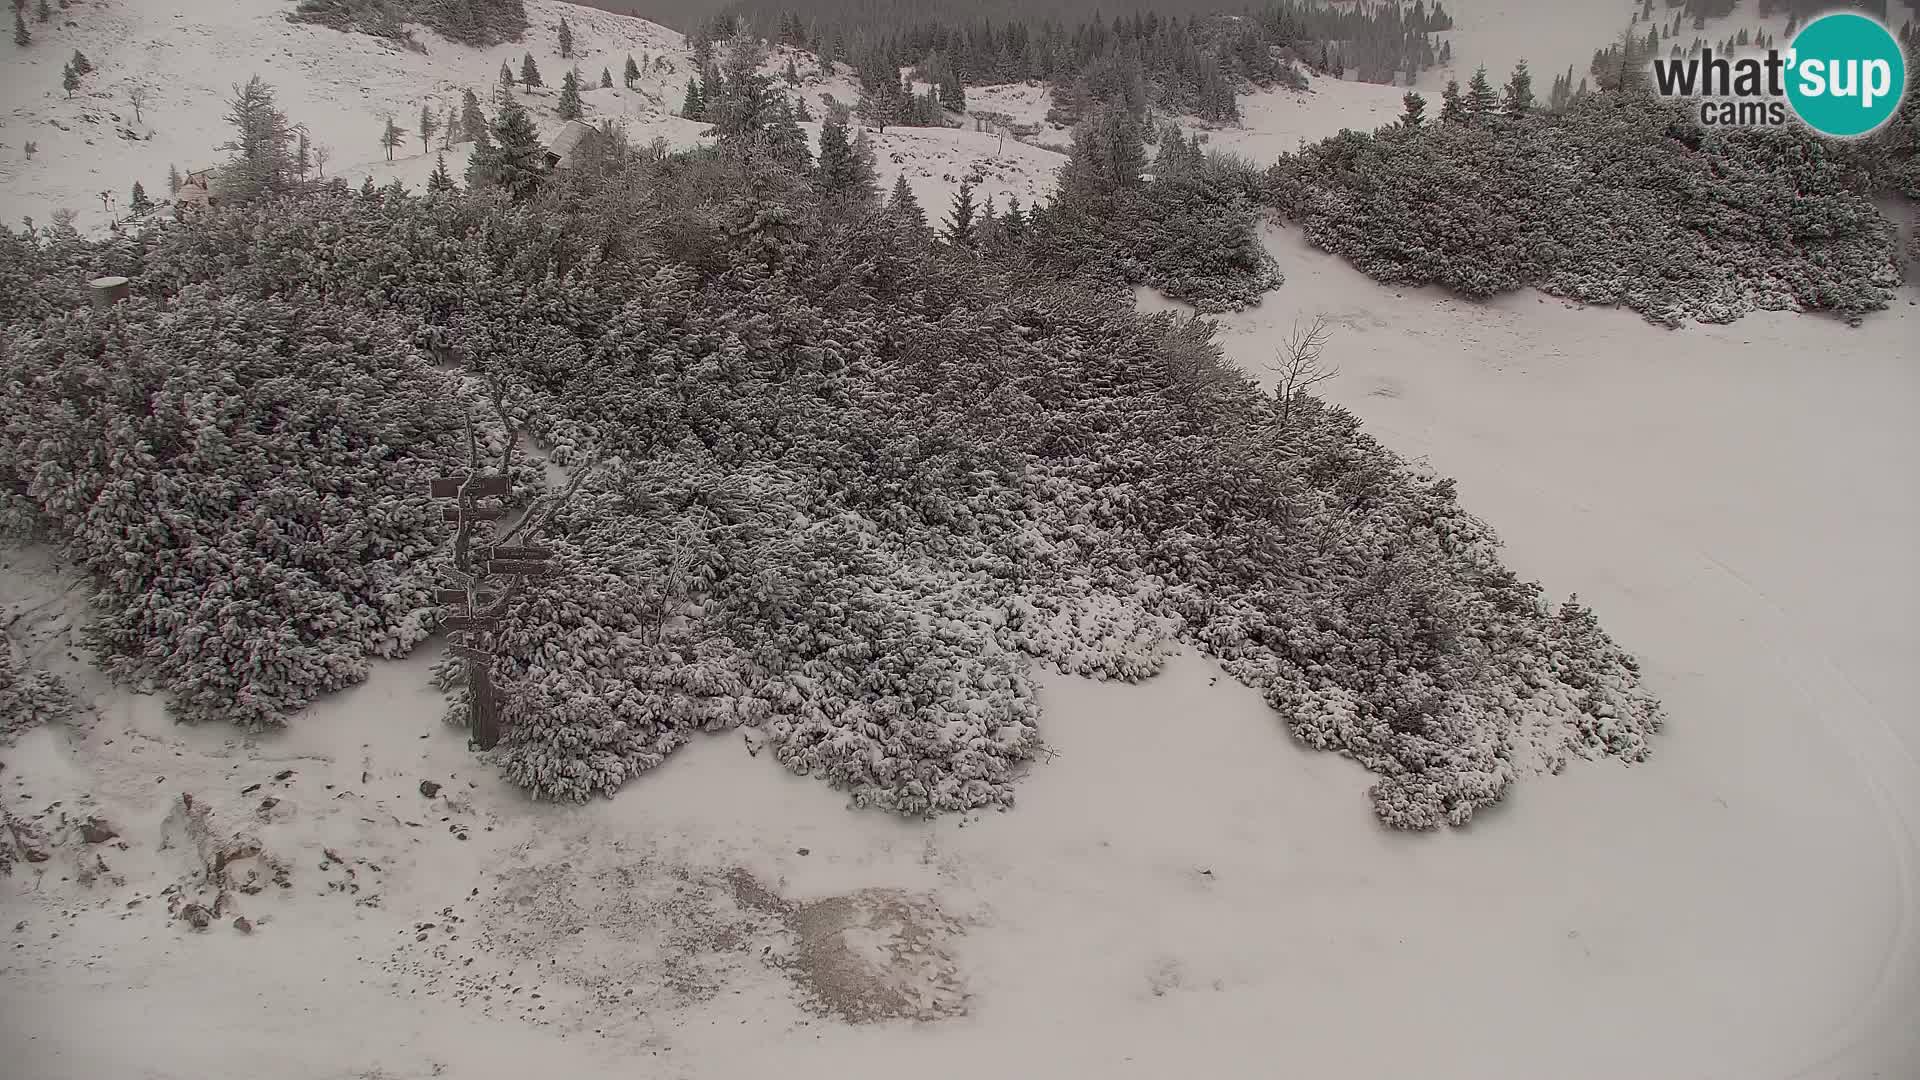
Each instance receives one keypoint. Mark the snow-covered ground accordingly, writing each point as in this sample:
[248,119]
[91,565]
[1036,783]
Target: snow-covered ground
[188,54]
[1181,889]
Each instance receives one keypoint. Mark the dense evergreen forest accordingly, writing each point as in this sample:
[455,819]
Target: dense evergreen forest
[1195,63]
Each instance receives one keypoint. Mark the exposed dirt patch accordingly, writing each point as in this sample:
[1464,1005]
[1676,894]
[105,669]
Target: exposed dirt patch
[876,954]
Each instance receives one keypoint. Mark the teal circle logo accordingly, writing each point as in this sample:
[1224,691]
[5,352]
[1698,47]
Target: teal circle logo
[1846,75]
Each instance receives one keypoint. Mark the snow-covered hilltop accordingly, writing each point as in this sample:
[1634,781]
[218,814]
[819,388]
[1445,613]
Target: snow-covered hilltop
[183,58]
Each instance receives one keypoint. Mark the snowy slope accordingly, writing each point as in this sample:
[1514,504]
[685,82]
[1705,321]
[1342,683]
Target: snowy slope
[188,54]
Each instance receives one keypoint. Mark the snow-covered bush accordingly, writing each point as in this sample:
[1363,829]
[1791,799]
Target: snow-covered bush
[1618,200]
[243,480]
[29,696]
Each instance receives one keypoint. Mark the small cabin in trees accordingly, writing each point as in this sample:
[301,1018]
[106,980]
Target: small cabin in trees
[196,191]
[566,142]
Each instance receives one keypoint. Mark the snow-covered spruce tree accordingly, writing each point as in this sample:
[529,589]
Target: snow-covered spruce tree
[1481,97]
[1519,93]
[903,206]
[529,72]
[569,106]
[260,162]
[959,227]
[226,471]
[429,126]
[440,182]
[516,160]
[565,39]
[606,78]
[473,121]
[631,73]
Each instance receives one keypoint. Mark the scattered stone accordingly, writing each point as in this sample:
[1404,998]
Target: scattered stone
[806,851]
[197,915]
[283,774]
[429,788]
[243,924]
[95,830]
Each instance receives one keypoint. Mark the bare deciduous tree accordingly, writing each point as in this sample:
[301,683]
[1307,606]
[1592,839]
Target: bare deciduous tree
[320,155]
[1297,365]
[137,96]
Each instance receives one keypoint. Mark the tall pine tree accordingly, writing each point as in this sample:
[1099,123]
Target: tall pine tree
[1481,98]
[515,162]
[569,106]
[960,220]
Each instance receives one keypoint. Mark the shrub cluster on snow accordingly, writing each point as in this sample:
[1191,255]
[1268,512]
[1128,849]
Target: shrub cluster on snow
[1188,229]
[243,480]
[1619,199]
[29,695]
[852,481]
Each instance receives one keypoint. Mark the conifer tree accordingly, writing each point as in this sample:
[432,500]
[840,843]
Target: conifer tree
[866,169]
[429,125]
[262,148]
[69,79]
[792,73]
[787,141]
[606,79]
[960,223]
[1014,224]
[81,65]
[173,179]
[953,96]
[506,81]
[20,35]
[516,160]
[566,39]
[43,11]
[1453,110]
[530,72]
[1481,98]
[1416,109]
[392,136]
[839,172]
[569,106]
[632,72]
[903,206]
[473,122]
[302,154]
[1519,98]
[140,203]
[441,181]
[694,108]
[368,191]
